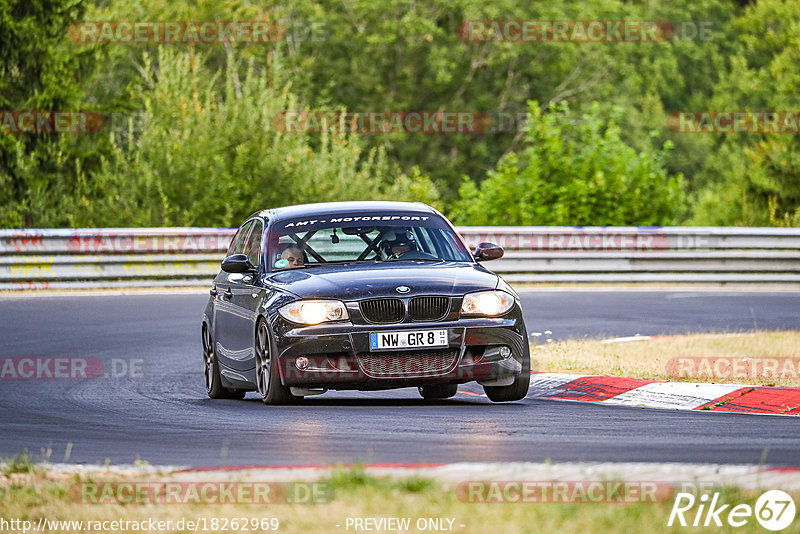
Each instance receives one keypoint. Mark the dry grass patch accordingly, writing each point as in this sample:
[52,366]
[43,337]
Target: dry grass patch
[359,494]
[758,358]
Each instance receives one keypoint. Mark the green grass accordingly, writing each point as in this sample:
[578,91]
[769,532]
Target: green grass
[21,463]
[354,478]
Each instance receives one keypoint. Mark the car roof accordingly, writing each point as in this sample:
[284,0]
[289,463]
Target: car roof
[335,208]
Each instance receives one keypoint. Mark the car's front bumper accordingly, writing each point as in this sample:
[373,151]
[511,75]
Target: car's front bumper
[338,356]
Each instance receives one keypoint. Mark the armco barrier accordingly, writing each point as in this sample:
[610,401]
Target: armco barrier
[110,257]
[644,254]
[137,257]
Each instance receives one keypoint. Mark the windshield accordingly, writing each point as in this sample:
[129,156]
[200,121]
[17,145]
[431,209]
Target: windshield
[301,243]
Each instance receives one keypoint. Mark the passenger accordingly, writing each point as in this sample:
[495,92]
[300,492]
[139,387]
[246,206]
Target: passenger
[294,256]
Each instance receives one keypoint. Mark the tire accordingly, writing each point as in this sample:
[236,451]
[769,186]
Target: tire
[442,391]
[213,380]
[519,388]
[268,380]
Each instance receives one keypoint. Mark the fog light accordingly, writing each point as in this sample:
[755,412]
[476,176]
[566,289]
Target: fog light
[301,363]
[505,352]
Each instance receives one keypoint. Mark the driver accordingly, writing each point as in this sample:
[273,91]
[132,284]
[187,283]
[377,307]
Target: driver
[398,244]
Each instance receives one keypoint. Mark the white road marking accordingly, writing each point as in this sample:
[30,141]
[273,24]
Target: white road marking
[637,337]
[546,384]
[677,395]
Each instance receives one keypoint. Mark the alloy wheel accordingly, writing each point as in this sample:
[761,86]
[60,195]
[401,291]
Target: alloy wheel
[263,359]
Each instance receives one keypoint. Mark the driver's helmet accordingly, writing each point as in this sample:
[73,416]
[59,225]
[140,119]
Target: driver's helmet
[397,237]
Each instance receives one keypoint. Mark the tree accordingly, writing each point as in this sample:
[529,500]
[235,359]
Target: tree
[573,171]
[754,178]
[40,72]
[209,153]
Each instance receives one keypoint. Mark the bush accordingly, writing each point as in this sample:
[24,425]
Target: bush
[573,171]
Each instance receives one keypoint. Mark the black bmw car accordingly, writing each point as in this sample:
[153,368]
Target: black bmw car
[360,295]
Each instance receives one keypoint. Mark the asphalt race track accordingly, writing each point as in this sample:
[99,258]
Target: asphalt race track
[157,409]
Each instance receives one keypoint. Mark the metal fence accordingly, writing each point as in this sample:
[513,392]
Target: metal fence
[131,257]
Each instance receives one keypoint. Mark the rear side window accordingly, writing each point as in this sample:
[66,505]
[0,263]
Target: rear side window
[253,245]
[238,242]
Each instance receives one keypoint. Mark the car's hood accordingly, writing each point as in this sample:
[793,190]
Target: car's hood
[354,282]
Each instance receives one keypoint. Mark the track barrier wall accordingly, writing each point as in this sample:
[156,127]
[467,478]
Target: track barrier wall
[169,257]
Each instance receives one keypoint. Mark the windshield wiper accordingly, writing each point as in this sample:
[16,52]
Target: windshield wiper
[307,265]
[437,260]
[337,262]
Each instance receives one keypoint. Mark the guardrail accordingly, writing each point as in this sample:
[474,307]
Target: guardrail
[133,257]
[644,254]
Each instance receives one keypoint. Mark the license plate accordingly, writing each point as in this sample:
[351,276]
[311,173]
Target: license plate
[407,339]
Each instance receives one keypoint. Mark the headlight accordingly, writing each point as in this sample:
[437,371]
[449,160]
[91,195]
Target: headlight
[487,303]
[314,311]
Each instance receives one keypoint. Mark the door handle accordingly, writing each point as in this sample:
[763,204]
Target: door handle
[228,294]
[213,292]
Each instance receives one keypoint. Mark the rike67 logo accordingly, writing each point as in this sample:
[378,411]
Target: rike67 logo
[774,510]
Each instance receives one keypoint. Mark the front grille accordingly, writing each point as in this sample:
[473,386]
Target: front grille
[428,308]
[407,363]
[383,310]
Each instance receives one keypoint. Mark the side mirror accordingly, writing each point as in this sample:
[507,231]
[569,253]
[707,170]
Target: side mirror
[488,251]
[238,263]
